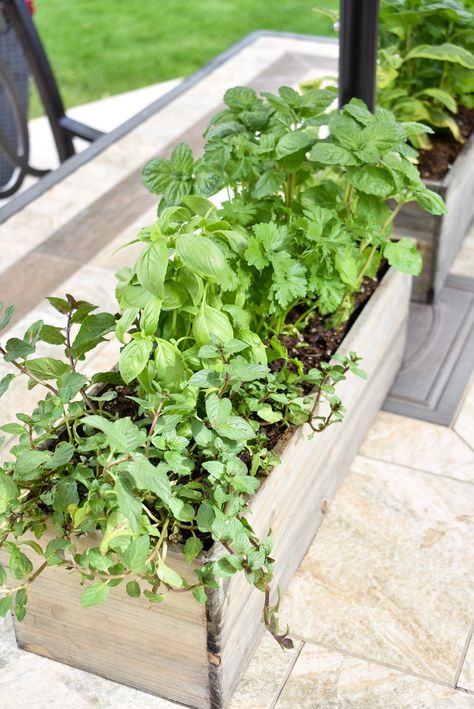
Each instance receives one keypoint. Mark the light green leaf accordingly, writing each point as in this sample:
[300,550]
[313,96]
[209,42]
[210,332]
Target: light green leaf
[147,476]
[5,383]
[404,256]
[210,321]
[294,142]
[371,180]
[65,494]
[6,315]
[133,359]
[61,456]
[217,410]
[443,97]
[205,379]
[122,435]
[52,335]
[431,202]
[169,575]
[236,428]
[19,564]
[267,184]
[169,365]
[328,154]
[94,595]
[29,465]
[129,505]
[5,605]
[192,548]
[443,52]
[8,491]
[151,267]
[69,385]
[92,331]
[17,349]
[203,255]
[47,367]
[136,554]
[199,594]
[268,414]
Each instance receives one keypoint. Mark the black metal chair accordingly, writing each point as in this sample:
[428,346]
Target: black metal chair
[26,53]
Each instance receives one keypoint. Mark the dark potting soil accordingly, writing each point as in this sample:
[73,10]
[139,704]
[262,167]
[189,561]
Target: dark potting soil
[435,163]
[315,345]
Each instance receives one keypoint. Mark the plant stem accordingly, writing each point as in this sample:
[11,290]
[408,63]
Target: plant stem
[24,370]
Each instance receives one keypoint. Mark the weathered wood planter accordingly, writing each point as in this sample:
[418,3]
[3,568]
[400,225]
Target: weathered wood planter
[440,237]
[194,654]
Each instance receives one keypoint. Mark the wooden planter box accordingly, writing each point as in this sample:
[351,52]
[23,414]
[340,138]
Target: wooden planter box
[440,237]
[191,653]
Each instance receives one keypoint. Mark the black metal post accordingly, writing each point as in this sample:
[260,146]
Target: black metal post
[358,40]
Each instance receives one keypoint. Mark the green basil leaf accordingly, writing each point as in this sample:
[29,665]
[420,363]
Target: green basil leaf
[133,359]
[151,267]
[202,255]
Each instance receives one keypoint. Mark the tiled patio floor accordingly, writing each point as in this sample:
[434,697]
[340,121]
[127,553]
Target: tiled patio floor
[382,607]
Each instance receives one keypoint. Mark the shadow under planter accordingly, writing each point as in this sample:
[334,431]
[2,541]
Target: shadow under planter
[195,654]
[440,237]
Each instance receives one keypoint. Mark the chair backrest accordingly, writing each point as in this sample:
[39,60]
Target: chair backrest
[21,52]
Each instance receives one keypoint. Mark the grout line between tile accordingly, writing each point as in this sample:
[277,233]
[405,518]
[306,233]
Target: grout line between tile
[463,439]
[462,659]
[417,470]
[347,653]
[287,676]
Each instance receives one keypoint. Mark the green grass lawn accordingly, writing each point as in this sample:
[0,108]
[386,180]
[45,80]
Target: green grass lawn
[103,47]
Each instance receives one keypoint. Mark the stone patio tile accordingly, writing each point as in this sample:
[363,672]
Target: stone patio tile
[464,262]
[23,232]
[120,252]
[289,44]
[322,679]
[464,423]
[265,675]
[389,574]
[418,444]
[466,678]
[29,681]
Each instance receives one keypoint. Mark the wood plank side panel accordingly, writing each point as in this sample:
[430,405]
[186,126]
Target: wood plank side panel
[459,199]
[159,649]
[310,471]
[440,237]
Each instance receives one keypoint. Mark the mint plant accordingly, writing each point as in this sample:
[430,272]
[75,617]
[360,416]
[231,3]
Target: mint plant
[178,470]
[170,448]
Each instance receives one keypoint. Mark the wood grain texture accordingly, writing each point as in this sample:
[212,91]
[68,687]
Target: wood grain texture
[195,655]
[160,649]
[440,237]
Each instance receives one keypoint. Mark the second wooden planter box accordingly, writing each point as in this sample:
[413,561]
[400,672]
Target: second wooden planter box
[191,653]
[440,237]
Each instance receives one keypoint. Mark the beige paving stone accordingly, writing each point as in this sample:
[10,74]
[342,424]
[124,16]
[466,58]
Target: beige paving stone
[389,574]
[28,681]
[265,675]
[120,252]
[464,424]
[322,679]
[466,678]
[464,262]
[421,445]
